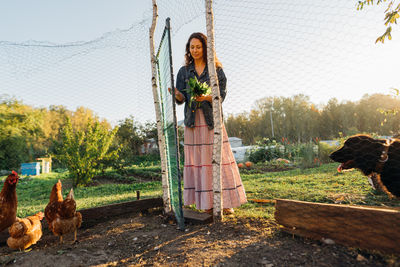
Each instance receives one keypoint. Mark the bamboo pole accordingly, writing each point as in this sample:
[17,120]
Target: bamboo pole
[161,139]
[216,103]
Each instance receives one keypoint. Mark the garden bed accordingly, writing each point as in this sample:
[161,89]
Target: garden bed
[251,237]
[150,239]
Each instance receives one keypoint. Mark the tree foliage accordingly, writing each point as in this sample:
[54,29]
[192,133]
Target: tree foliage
[83,150]
[19,132]
[132,135]
[296,119]
[27,133]
[391,15]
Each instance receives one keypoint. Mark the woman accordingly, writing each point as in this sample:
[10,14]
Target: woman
[198,137]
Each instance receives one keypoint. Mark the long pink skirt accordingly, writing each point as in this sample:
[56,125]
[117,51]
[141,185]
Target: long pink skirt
[197,173]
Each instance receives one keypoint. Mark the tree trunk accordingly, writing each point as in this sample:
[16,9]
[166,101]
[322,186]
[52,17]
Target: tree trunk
[216,103]
[161,139]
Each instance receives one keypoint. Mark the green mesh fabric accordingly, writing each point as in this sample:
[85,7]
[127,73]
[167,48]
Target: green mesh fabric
[165,78]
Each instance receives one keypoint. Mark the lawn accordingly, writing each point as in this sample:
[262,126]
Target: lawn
[33,191]
[321,184]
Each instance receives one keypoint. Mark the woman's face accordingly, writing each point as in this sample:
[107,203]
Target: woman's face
[196,49]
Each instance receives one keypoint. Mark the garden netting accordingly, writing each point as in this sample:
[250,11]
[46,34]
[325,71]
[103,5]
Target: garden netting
[167,102]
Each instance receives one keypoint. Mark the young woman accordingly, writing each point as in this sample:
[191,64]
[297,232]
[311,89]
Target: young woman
[198,137]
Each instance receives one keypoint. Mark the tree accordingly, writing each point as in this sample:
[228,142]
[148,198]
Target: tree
[82,150]
[129,137]
[20,129]
[391,15]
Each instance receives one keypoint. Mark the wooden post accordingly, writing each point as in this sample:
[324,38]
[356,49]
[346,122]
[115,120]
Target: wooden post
[161,139]
[216,103]
[363,227]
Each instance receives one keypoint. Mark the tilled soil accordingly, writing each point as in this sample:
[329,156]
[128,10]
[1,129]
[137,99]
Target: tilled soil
[151,239]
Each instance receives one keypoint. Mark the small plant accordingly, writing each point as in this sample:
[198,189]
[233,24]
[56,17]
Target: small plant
[308,156]
[324,150]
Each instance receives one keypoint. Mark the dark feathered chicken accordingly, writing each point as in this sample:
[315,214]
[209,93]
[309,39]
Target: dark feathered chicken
[8,201]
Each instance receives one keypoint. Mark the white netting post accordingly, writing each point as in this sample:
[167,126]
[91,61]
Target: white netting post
[216,102]
[161,139]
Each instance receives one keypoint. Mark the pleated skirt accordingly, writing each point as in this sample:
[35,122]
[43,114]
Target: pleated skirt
[197,172]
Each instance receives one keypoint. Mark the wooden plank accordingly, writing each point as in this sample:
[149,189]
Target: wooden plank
[93,216]
[263,201]
[193,217]
[362,227]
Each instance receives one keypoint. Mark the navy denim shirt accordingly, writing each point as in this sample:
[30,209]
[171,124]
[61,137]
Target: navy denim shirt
[184,74]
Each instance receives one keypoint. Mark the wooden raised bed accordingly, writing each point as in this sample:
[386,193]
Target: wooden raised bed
[96,215]
[93,216]
[362,227]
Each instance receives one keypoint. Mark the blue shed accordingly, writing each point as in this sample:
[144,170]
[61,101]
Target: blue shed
[32,168]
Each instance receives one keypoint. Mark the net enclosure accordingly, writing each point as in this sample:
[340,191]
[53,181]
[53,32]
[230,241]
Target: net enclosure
[268,48]
[169,122]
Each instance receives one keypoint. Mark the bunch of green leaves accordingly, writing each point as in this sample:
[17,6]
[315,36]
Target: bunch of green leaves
[196,89]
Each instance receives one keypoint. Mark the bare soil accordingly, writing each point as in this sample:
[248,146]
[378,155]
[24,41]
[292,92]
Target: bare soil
[152,239]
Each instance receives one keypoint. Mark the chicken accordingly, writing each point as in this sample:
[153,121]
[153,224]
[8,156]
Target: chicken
[61,215]
[62,226]
[8,201]
[56,199]
[25,232]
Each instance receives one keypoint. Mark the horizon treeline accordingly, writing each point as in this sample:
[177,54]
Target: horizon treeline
[297,119]
[27,132]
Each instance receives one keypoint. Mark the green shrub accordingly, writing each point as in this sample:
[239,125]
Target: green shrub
[82,151]
[308,156]
[147,160]
[265,150]
[324,150]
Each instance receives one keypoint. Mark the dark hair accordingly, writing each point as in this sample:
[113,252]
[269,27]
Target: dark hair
[203,39]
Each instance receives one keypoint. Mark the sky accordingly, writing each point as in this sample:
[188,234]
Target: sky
[63,21]
[95,53]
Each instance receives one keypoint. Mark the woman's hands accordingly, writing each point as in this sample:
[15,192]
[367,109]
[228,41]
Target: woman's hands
[204,98]
[178,95]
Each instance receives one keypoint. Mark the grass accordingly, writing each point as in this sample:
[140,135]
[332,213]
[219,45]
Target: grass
[33,192]
[321,184]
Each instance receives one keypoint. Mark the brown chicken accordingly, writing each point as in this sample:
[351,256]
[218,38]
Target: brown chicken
[25,232]
[8,201]
[61,215]
[56,199]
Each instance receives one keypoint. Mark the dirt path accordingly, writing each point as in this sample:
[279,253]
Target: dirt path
[151,240]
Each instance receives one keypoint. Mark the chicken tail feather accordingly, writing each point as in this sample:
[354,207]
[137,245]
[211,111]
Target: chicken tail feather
[71,194]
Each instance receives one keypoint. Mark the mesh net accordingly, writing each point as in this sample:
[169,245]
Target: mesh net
[268,48]
[105,75]
[164,66]
[275,48]
[322,49]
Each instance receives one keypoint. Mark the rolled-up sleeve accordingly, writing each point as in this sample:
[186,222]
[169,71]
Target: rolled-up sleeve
[180,84]
[221,83]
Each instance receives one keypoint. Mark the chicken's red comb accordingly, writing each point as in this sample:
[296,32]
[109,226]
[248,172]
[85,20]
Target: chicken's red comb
[14,173]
